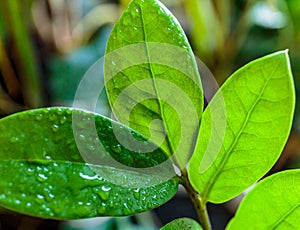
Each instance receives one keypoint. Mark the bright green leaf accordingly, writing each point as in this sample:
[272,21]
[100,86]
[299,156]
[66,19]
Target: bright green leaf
[151,76]
[244,128]
[52,165]
[182,223]
[274,203]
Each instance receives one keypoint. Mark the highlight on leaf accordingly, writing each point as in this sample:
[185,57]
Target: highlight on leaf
[274,203]
[257,104]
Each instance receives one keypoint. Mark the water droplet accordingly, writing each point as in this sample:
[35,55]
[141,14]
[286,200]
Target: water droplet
[28,204]
[80,203]
[105,188]
[184,47]
[113,63]
[126,209]
[55,128]
[88,204]
[136,194]
[39,116]
[87,177]
[116,148]
[17,201]
[104,192]
[14,139]
[30,171]
[42,177]
[63,119]
[91,147]
[60,111]
[38,168]
[39,199]
[137,10]
[52,117]
[49,196]
[81,137]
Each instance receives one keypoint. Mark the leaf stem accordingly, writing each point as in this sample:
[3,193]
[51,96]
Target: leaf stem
[198,201]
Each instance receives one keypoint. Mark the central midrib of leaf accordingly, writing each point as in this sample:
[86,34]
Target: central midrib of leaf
[227,155]
[283,218]
[161,113]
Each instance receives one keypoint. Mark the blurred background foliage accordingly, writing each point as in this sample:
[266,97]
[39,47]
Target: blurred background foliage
[46,46]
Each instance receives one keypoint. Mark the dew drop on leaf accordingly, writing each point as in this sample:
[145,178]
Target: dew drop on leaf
[55,127]
[91,147]
[88,177]
[82,137]
[14,139]
[136,194]
[39,116]
[42,177]
[117,148]
[28,204]
[39,199]
[59,111]
[63,119]
[104,192]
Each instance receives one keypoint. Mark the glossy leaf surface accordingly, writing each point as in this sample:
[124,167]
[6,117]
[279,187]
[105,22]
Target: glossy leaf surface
[151,75]
[52,167]
[244,128]
[182,223]
[274,203]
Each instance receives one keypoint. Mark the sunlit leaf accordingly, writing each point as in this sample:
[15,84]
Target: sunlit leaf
[152,76]
[274,203]
[244,128]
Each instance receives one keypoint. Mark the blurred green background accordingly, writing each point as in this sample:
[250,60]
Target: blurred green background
[46,46]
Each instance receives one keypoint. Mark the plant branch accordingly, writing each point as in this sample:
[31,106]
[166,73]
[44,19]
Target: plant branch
[198,201]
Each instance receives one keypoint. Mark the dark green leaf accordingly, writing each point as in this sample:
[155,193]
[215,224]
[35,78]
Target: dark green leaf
[182,223]
[52,165]
[274,203]
[152,76]
[244,128]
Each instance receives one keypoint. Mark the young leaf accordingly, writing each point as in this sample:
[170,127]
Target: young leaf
[274,203]
[182,223]
[244,128]
[52,165]
[151,76]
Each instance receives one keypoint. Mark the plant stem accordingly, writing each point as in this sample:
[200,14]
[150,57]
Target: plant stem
[199,203]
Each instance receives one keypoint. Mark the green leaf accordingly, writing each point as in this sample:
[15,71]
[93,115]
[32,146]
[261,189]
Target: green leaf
[52,165]
[274,203]
[151,76]
[182,223]
[244,128]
